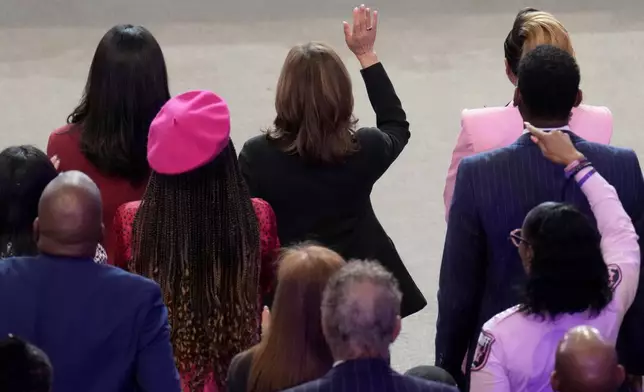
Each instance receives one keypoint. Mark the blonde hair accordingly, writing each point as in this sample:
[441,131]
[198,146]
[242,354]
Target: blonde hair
[542,28]
[533,28]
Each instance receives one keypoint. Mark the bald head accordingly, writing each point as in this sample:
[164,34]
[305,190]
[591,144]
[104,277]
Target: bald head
[586,362]
[69,219]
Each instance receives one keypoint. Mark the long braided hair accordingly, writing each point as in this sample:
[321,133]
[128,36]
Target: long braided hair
[197,235]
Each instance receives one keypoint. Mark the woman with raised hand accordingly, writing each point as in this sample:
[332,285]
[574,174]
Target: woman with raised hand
[107,133]
[489,128]
[576,276]
[198,233]
[316,169]
[293,349]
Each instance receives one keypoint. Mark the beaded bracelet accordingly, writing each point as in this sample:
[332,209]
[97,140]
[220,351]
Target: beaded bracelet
[575,163]
[581,165]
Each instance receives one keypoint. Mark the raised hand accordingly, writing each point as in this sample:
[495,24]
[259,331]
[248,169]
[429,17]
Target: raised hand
[361,36]
[555,145]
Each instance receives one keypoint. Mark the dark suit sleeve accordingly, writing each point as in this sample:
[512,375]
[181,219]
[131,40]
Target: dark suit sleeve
[155,367]
[245,164]
[461,277]
[630,343]
[392,134]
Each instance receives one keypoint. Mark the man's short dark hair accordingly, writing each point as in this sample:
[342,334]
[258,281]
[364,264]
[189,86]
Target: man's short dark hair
[23,367]
[549,82]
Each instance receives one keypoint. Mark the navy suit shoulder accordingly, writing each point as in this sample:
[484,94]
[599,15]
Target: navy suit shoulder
[494,191]
[369,375]
[104,329]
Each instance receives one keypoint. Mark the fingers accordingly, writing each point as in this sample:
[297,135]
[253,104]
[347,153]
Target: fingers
[367,19]
[55,161]
[266,317]
[347,31]
[536,133]
[374,21]
[356,17]
[358,20]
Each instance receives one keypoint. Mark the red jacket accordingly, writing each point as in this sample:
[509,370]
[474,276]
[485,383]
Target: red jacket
[65,142]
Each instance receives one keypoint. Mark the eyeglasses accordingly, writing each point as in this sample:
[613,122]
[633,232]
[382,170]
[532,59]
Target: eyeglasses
[517,238]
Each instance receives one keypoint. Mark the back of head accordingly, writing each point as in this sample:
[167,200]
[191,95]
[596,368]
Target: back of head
[197,235]
[585,362]
[548,84]
[70,220]
[126,87]
[295,351]
[361,311]
[25,171]
[532,28]
[314,104]
[23,367]
[567,273]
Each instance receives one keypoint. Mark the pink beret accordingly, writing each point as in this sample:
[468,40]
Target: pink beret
[190,130]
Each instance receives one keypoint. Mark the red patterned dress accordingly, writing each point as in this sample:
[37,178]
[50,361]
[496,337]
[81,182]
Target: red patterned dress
[121,251]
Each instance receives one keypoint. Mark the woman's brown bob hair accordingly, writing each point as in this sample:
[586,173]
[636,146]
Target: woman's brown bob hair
[314,105]
[294,350]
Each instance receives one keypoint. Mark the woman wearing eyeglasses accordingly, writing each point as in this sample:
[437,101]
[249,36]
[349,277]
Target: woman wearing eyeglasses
[575,276]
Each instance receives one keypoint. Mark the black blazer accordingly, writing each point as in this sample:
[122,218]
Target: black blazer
[239,371]
[330,204]
[369,375]
[481,269]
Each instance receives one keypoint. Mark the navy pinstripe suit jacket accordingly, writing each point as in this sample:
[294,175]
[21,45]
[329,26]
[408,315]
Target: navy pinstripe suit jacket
[369,375]
[481,268]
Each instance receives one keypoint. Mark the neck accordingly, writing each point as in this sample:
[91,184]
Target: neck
[539,123]
[54,248]
[361,355]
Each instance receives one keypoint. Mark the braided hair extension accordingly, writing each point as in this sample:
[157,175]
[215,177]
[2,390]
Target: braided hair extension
[197,235]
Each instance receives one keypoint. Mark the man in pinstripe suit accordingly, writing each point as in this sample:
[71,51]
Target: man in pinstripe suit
[360,320]
[494,191]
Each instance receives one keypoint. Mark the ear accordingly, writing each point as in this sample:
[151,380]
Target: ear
[397,329]
[102,235]
[36,229]
[620,375]
[516,100]
[554,381]
[579,99]
[508,72]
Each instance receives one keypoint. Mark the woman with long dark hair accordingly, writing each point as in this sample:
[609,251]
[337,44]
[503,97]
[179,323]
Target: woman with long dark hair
[293,349]
[316,169]
[107,133]
[201,237]
[576,275]
[25,171]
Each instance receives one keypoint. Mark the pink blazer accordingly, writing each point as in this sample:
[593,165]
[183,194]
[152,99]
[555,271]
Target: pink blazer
[487,129]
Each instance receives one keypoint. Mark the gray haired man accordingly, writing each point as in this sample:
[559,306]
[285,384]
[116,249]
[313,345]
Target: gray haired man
[360,320]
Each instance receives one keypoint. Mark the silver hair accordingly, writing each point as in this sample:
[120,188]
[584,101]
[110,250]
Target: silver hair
[360,310]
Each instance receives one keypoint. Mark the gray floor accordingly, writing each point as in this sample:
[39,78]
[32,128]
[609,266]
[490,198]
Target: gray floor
[443,56]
